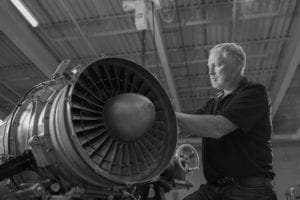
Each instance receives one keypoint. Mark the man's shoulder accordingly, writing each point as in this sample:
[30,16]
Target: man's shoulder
[254,90]
[254,86]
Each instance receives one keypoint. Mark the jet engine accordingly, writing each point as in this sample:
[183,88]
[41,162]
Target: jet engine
[93,132]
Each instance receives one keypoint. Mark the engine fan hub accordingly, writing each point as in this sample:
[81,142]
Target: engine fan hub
[129,116]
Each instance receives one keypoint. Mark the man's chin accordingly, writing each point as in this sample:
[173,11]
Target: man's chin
[215,85]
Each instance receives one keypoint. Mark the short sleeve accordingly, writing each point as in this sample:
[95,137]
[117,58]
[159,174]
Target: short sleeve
[204,109]
[249,105]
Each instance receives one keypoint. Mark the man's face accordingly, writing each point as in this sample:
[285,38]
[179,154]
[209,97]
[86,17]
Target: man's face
[223,71]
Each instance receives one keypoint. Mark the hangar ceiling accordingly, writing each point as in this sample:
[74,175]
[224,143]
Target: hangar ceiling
[174,47]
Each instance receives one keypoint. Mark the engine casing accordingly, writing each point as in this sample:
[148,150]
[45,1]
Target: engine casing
[64,124]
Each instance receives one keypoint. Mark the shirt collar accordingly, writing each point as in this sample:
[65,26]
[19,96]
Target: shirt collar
[242,83]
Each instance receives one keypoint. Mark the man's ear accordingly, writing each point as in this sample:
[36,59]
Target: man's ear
[242,70]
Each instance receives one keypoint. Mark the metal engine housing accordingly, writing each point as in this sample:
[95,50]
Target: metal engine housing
[62,123]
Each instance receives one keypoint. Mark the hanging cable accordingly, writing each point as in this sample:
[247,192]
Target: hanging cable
[89,44]
[153,39]
[143,47]
[184,51]
[234,19]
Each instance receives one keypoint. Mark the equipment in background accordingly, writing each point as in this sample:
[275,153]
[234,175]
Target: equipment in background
[104,131]
[141,8]
[293,193]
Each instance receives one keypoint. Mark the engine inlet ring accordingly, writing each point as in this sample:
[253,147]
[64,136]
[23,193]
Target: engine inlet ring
[118,160]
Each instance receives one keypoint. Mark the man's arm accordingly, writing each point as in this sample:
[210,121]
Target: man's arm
[212,126]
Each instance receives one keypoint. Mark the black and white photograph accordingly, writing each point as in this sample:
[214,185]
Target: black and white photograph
[149,99]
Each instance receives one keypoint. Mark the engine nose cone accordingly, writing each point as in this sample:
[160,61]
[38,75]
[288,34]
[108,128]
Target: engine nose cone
[129,116]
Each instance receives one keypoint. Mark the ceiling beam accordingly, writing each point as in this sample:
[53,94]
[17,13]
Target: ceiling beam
[168,28]
[162,53]
[196,77]
[15,28]
[287,65]
[234,14]
[3,114]
[198,47]
[4,108]
[79,29]
[199,61]
[189,48]
[298,133]
[11,102]
[124,15]
[10,89]
[228,19]
[97,34]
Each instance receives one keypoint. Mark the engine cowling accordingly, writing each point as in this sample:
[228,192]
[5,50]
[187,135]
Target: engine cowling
[109,124]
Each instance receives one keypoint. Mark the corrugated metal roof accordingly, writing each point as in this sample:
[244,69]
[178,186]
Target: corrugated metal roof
[263,28]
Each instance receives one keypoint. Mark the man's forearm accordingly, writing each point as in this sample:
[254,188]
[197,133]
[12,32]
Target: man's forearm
[213,126]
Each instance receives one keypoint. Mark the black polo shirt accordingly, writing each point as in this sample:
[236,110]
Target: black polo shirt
[246,151]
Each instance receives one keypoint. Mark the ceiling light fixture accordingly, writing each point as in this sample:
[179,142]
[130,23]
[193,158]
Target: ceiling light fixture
[25,12]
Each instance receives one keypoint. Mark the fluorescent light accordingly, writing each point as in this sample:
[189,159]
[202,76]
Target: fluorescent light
[25,12]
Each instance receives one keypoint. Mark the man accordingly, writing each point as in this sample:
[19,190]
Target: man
[236,129]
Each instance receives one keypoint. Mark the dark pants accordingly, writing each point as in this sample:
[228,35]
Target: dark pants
[235,191]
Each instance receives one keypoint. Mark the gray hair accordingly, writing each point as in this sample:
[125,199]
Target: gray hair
[232,50]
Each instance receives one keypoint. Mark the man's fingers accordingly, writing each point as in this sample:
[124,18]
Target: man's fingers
[178,130]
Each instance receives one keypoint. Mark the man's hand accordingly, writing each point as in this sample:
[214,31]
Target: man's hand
[181,131]
[184,134]
[178,129]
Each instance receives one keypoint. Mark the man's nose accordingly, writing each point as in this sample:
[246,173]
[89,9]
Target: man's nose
[211,70]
